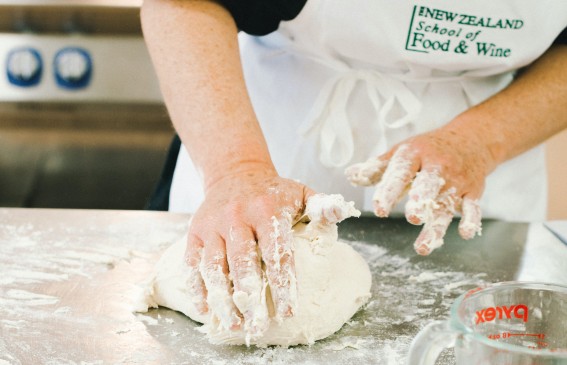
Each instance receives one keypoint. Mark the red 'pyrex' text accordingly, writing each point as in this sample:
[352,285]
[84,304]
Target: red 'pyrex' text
[501,312]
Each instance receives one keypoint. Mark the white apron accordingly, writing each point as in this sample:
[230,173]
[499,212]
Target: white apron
[347,80]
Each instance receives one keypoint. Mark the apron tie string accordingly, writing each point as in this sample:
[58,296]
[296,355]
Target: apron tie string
[328,117]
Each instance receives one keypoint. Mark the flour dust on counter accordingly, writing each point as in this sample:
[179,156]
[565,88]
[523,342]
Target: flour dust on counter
[56,308]
[50,276]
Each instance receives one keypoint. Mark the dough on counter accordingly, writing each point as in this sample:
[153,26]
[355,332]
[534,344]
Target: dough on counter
[333,282]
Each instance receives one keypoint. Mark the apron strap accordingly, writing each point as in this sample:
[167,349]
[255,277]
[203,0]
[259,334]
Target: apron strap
[328,119]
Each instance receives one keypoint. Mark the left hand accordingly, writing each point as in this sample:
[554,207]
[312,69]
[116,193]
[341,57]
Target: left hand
[444,171]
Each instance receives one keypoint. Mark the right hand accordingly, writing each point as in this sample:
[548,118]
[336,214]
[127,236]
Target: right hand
[245,219]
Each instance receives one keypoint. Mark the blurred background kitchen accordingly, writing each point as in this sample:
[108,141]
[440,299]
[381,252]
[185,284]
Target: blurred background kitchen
[82,122]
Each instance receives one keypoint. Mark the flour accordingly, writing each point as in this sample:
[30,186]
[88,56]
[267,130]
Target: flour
[423,195]
[366,173]
[280,273]
[13,324]
[323,210]
[250,293]
[147,319]
[29,298]
[380,332]
[471,224]
[62,311]
[333,282]
[429,276]
[427,204]
[347,342]
[394,182]
[222,308]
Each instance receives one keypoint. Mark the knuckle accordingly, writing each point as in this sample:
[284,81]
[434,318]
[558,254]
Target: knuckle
[243,262]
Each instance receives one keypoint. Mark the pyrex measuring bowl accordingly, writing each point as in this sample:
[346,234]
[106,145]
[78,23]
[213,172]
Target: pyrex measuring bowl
[505,323]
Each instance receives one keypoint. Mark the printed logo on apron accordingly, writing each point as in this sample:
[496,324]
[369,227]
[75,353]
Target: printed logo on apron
[439,30]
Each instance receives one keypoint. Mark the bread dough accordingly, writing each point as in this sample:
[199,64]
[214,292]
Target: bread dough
[333,282]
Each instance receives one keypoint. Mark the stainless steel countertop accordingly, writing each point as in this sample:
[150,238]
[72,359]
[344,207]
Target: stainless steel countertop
[67,278]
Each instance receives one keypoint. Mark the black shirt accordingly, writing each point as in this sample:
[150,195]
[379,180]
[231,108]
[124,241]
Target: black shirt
[260,17]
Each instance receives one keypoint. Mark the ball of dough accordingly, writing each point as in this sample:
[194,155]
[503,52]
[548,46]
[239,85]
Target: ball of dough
[333,282]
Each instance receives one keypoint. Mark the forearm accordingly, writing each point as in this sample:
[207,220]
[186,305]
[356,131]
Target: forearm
[194,48]
[530,110]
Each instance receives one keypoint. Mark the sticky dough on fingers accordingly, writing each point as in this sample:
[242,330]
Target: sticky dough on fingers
[438,218]
[195,283]
[422,196]
[471,220]
[397,177]
[432,233]
[437,213]
[277,246]
[214,270]
[366,173]
[249,292]
[325,210]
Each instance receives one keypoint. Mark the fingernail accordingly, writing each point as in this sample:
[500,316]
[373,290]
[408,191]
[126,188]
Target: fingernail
[471,222]
[467,232]
[413,219]
[415,211]
[380,211]
[428,241]
[423,250]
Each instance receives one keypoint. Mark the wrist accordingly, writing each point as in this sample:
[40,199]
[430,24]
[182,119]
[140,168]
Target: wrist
[237,169]
[481,131]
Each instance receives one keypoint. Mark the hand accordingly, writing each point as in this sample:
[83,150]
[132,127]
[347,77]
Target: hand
[444,171]
[246,219]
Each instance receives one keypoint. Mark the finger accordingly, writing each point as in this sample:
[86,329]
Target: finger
[433,232]
[249,294]
[195,283]
[366,173]
[435,227]
[398,174]
[214,270]
[471,220]
[328,209]
[424,190]
[276,245]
